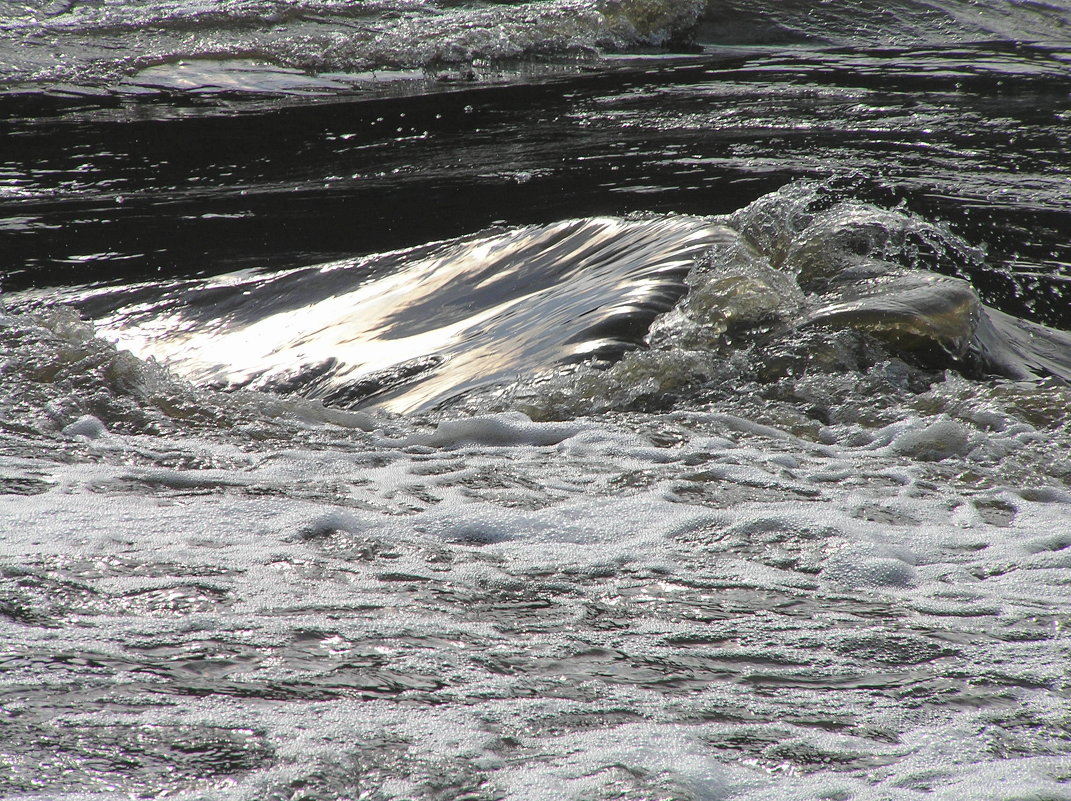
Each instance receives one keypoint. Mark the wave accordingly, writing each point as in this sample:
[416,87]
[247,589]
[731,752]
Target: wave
[146,44]
[409,329]
[801,281]
[900,22]
[238,45]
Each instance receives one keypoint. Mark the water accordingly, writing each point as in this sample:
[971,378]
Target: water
[535,401]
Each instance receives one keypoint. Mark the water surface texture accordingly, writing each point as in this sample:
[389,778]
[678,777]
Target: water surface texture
[552,400]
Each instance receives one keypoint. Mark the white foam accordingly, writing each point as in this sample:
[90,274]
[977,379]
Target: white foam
[86,426]
[866,565]
[639,756]
[508,428]
[579,573]
[933,441]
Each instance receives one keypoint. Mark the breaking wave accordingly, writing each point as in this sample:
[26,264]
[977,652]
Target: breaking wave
[800,281]
[325,45]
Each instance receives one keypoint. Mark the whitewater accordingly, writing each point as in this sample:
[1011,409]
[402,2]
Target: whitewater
[535,401]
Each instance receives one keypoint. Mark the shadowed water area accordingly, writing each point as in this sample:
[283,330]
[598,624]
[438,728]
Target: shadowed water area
[535,401]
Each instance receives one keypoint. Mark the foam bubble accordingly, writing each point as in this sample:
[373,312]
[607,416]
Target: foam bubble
[933,441]
[509,428]
[867,565]
[86,426]
[640,758]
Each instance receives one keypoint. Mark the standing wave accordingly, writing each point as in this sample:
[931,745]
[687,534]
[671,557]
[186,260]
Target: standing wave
[802,281]
[408,330]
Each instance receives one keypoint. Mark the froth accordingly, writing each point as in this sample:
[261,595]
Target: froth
[692,604]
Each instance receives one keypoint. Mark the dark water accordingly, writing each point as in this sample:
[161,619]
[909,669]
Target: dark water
[791,280]
[974,136]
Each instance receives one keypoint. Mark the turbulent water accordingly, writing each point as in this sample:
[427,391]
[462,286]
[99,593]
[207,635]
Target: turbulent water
[554,400]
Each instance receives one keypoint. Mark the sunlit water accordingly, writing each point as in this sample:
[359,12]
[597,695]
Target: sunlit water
[535,401]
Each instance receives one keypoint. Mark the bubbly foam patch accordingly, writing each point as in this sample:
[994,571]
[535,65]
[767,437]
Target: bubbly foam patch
[692,605]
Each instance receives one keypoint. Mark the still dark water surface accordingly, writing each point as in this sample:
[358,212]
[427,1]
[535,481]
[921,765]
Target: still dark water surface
[535,401]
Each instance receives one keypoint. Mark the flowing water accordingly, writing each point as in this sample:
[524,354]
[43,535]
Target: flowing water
[630,399]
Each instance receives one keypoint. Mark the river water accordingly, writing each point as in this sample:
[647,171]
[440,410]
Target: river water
[559,400]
